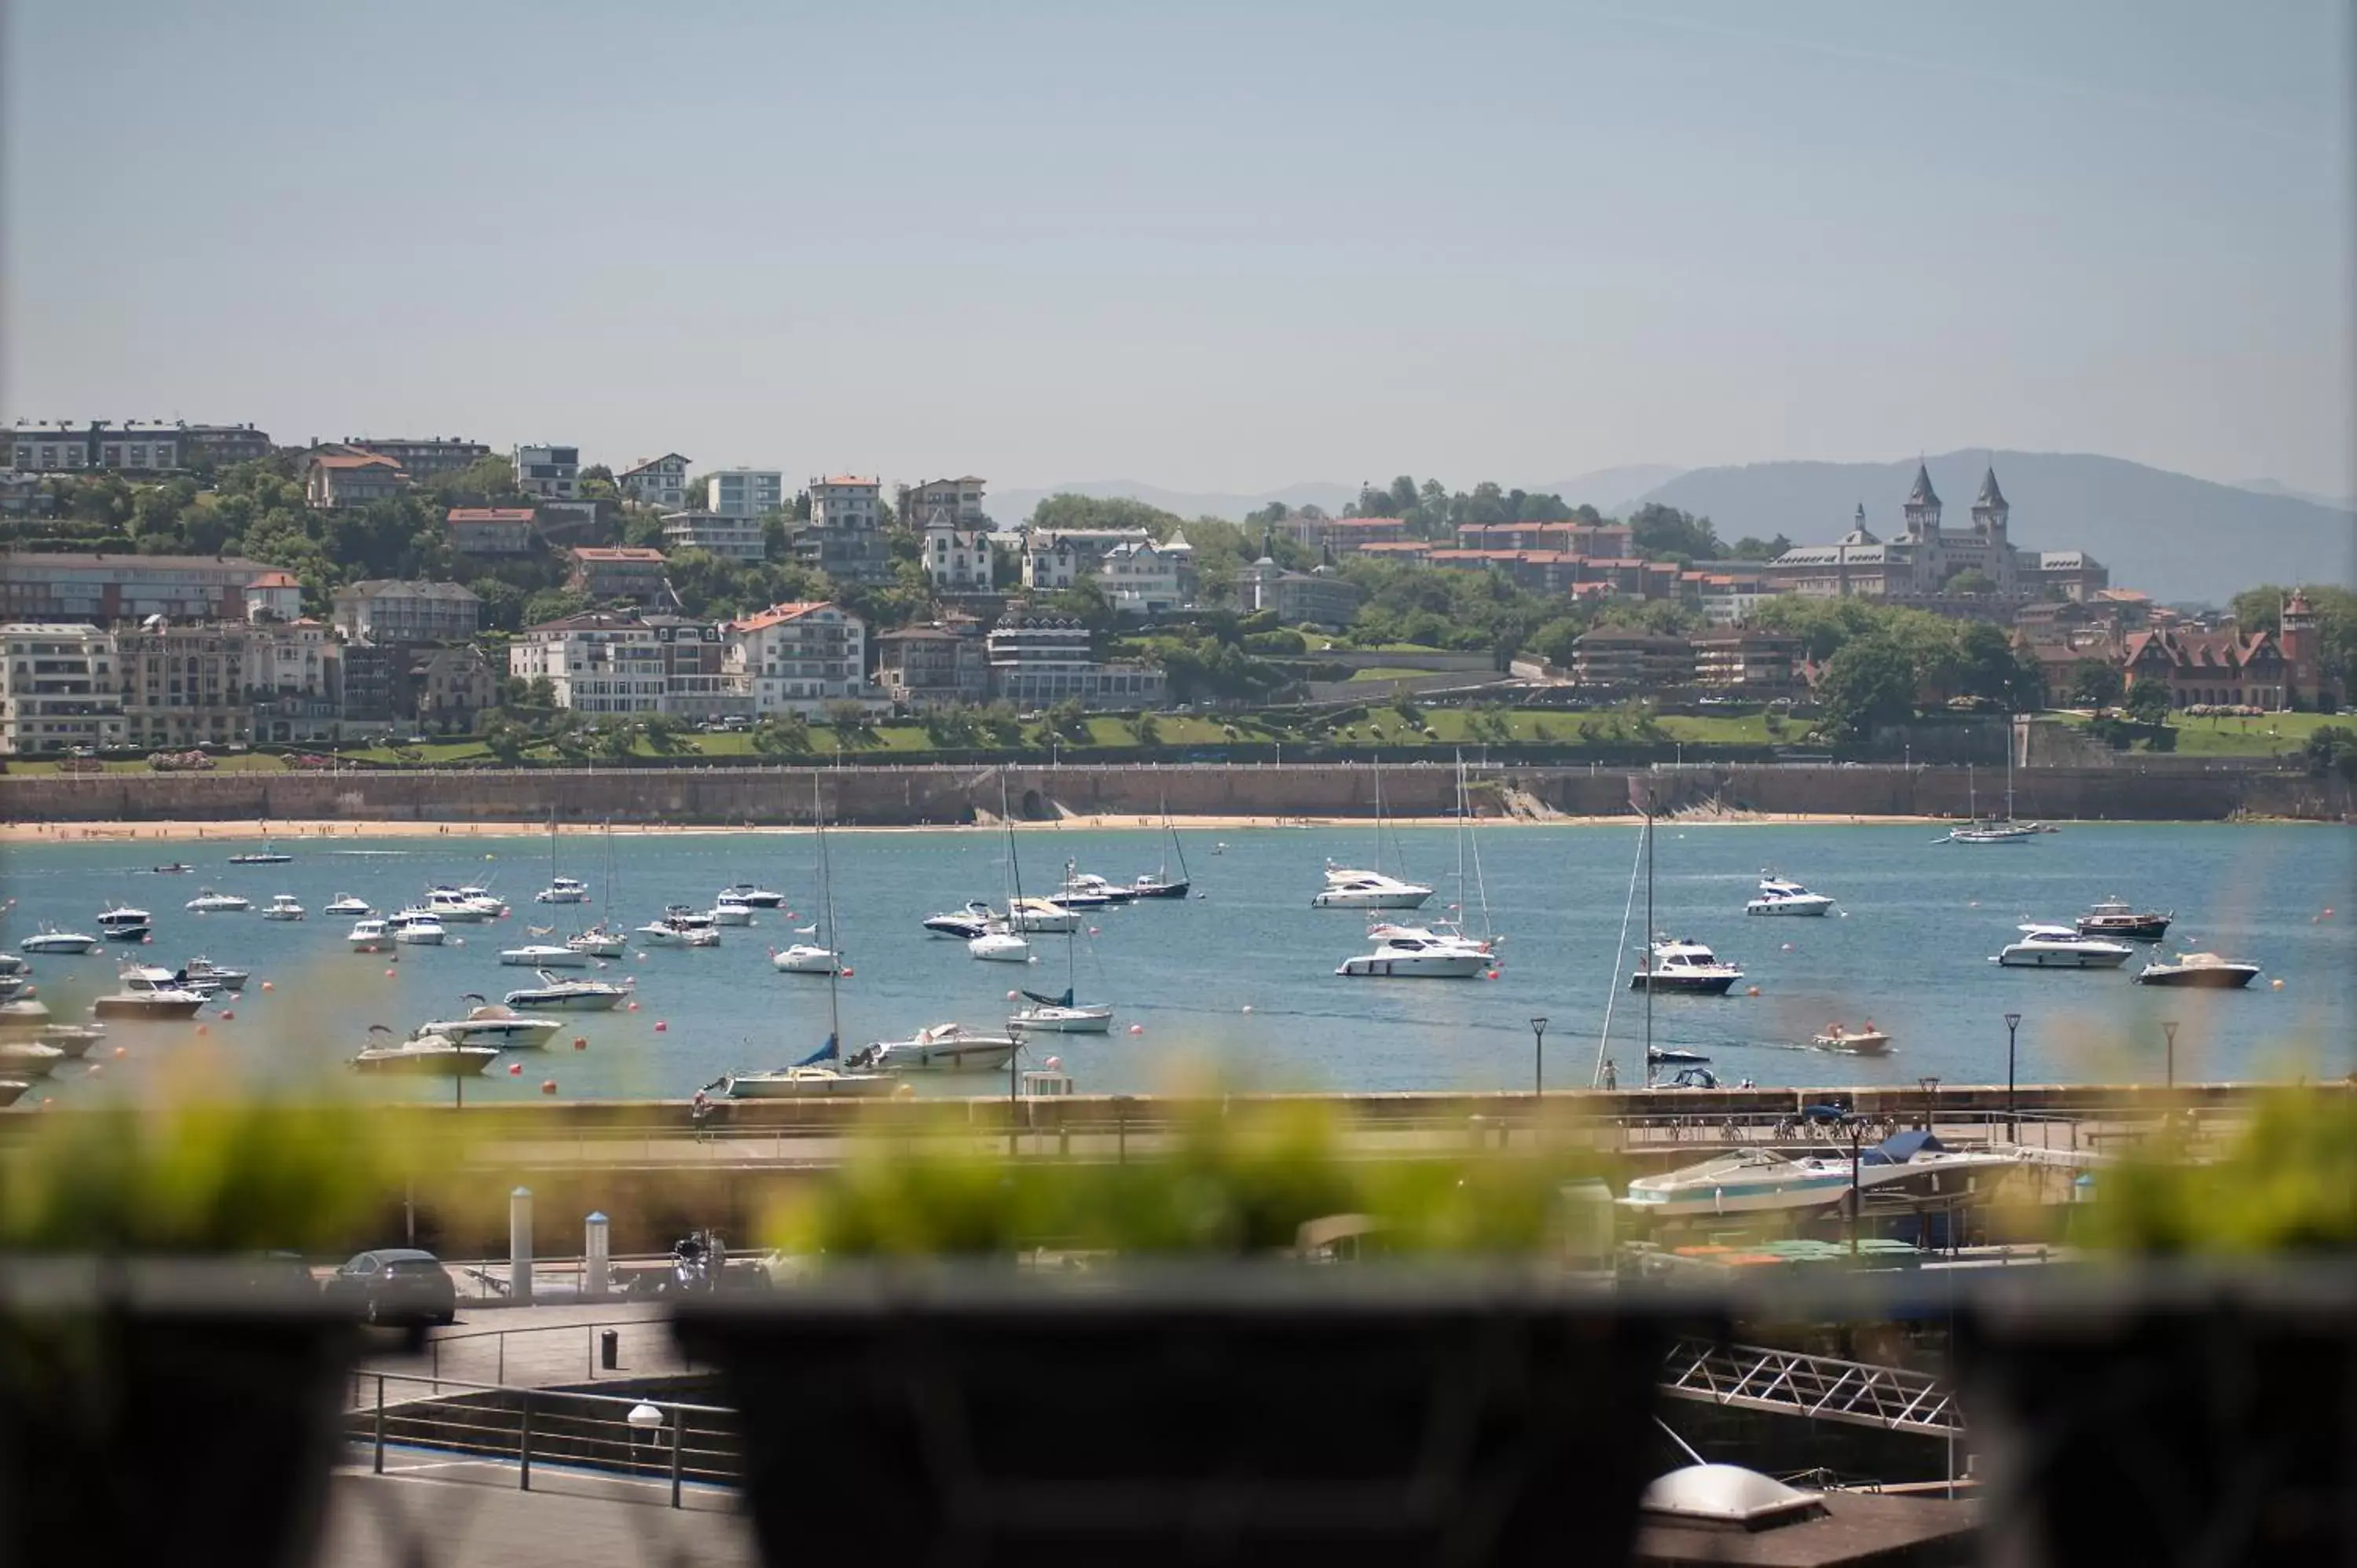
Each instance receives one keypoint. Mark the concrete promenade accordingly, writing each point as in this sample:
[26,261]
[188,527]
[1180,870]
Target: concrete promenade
[466,1513]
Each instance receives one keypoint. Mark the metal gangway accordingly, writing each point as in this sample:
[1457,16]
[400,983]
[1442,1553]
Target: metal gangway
[1790,1383]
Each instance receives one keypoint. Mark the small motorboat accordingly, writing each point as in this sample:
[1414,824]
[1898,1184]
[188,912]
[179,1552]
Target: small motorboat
[1417,952]
[2061,946]
[28,1058]
[124,924]
[1867,1042]
[71,1040]
[416,928]
[2114,918]
[25,1016]
[12,1090]
[1060,1016]
[725,913]
[347,907]
[203,970]
[599,940]
[149,993]
[1903,1170]
[541,955]
[1782,895]
[282,906]
[490,1024]
[1087,890]
[1041,916]
[944,1048]
[964,924]
[261,857]
[49,940]
[1684,968]
[1348,889]
[753,896]
[999,945]
[554,994]
[371,936]
[2199,971]
[209,902]
[680,927]
[461,905]
[11,964]
[562,890]
[430,1054]
[178,868]
[1149,886]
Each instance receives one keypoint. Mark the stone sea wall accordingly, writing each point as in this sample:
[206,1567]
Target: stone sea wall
[886,796]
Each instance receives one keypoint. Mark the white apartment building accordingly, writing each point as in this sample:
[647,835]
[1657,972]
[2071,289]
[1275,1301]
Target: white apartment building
[384,609]
[1059,557]
[843,538]
[745,492]
[140,449]
[657,482]
[58,688]
[798,658]
[599,663]
[1038,660]
[1146,578]
[552,472]
[957,559]
[730,538]
[955,502]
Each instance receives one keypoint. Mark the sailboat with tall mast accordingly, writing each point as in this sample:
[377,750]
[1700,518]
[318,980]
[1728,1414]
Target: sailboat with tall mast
[1061,1015]
[1347,889]
[1673,966]
[1003,941]
[268,855]
[2005,829]
[811,957]
[1160,883]
[560,889]
[602,940]
[1445,950]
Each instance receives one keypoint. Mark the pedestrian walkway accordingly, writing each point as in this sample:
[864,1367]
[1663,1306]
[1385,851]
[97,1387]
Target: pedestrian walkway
[432,1512]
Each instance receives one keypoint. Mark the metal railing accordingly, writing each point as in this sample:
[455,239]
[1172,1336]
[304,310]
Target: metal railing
[1791,1382]
[668,1442]
[544,1352]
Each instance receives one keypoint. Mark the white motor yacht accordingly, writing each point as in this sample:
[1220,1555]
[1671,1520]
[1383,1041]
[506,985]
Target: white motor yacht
[1041,916]
[679,926]
[1061,1015]
[540,955]
[757,897]
[2061,947]
[964,924]
[1688,968]
[49,940]
[148,991]
[1782,895]
[454,906]
[1417,952]
[562,890]
[1909,1167]
[1348,889]
[2199,971]
[999,945]
[371,936]
[944,1048]
[416,928]
[204,971]
[282,906]
[346,908]
[430,1054]
[489,1024]
[725,913]
[599,940]
[124,924]
[556,995]
[212,903]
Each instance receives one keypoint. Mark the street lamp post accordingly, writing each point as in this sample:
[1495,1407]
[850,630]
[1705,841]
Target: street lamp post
[2169,1029]
[2012,1027]
[1931,1083]
[1857,1134]
[1538,1056]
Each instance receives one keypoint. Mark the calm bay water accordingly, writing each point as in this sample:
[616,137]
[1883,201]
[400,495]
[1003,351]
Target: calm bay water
[1242,975]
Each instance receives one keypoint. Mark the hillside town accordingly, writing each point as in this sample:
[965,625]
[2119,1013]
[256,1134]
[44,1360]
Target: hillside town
[176,586]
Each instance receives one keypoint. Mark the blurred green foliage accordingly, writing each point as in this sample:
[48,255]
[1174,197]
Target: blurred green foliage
[2286,1183]
[1234,1184]
[195,1177]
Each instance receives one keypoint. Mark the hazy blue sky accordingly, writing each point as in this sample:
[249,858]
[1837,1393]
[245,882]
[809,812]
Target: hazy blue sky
[1200,244]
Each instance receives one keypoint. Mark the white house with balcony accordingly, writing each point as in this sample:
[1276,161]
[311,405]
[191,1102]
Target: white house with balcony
[958,560]
[796,659]
[1148,579]
[552,473]
[717,533]
[657,482]
[58,688]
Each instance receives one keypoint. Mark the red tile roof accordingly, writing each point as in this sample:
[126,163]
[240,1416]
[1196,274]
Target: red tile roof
[778,615]
[617,554]
[277,580]
[512,514]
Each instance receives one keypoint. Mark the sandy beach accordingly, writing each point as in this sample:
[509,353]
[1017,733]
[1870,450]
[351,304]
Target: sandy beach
[294,832]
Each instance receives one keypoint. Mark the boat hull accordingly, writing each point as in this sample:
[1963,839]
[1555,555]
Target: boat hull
[505,1034]
[2012,958]
[956,927]
[544,958]
[1737,1198]
[1401,899]
[1060,1021]
[2223,977]
[565,1001]
[808,1086]
[1415,966]
[2134,930]
[994,951]
[599,947]
[1874,1044]
[419,939]
[147,1007]
[1684,985]
[466,1061]
[1177,889]
[805,961]
[1810,906]
[732,915]
[68,947]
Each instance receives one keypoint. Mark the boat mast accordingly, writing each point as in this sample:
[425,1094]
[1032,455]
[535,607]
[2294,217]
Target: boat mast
[1461,842]
[1648,937]
[826,896]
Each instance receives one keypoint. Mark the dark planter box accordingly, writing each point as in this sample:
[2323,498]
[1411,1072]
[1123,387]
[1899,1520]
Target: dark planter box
[164,1412]
[1245,1413]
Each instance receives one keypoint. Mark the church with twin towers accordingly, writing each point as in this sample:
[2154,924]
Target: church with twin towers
[1923,561]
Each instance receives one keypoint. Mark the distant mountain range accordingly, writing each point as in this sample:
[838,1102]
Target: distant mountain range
[2176,537]
[2173,536]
